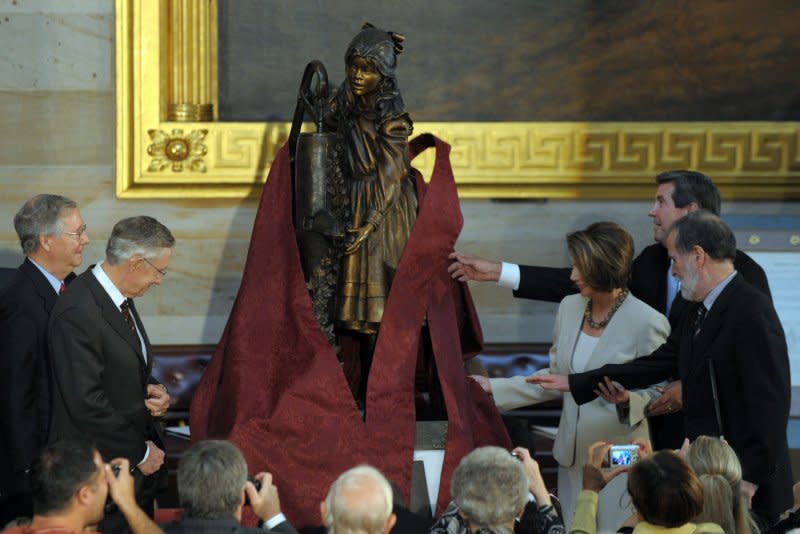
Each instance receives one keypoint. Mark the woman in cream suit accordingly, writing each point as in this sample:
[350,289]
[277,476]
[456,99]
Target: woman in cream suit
[603,324]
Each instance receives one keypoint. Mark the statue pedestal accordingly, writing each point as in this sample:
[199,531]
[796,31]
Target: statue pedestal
[426,472]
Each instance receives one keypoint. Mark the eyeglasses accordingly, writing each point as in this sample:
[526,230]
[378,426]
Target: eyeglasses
[162,272]
[81,231]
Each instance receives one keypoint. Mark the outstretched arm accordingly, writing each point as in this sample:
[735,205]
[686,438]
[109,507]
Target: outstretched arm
[467,267]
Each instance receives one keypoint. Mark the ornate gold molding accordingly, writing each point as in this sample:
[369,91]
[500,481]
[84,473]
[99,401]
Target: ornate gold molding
[748,160]
[176,150]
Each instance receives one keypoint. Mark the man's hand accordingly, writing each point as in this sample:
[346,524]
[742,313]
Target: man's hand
[535,480]
[265,502]
[154,460]
[120,485]
[468,267]
[157,401]
[671,400]
[748,492]
[595,477]
[483,382]
[550,381]
[612,391]
[121,489]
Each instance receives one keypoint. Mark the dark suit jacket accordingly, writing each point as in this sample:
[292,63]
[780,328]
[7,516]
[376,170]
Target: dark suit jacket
[194,525]
[649,284]
[100,376]
[743,337]
[25,305]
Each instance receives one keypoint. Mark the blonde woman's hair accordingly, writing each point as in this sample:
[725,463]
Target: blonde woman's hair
[720,473]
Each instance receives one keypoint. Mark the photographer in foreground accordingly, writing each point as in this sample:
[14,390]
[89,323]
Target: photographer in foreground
[70,485]
[212,484]
[666,494]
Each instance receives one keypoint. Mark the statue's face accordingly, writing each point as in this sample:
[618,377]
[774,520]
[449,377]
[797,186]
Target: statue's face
[363,76]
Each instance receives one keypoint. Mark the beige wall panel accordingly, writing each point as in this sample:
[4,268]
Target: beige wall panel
[55,51]
[93,7]
[57,128]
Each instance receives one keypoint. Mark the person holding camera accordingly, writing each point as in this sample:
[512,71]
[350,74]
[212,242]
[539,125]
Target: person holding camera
[212,487]
[495,492]
[602,324]
[70,485]
[666,494]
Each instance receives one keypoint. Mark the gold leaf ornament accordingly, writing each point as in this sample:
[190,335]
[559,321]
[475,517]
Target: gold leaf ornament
[177,150]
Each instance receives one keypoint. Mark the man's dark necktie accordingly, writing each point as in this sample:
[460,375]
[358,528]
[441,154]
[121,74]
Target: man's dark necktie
[126,314]
[699,319]
[62,288]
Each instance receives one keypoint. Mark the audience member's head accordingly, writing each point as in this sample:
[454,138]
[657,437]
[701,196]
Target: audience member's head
[718,468]
[603,255]
[490,488]
[211,480]
[665,490]
[52,232]
[138,254]
[68,481]
[359,502]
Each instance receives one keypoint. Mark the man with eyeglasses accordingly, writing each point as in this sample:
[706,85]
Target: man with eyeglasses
[52,234]
[101,358]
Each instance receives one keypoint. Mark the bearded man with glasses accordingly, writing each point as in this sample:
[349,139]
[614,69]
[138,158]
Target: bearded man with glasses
[52,235]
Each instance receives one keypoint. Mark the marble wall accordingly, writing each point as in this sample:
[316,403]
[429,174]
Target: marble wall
[57,119]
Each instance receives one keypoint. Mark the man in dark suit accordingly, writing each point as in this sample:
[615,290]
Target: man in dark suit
[679,192]
[730,352]
[212,485]
[101,357]
[52,235]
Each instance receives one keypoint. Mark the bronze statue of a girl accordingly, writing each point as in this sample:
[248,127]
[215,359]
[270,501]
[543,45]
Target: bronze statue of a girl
[374,127]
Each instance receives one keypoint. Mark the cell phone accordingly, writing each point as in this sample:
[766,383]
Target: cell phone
[621,455]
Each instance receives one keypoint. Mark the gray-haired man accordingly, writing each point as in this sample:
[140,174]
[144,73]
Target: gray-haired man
[212,484]
[101,357]
[52,235]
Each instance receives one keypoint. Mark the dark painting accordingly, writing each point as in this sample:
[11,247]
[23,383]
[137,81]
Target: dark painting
[528,60]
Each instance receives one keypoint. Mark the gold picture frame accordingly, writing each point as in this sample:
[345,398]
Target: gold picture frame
[170,145]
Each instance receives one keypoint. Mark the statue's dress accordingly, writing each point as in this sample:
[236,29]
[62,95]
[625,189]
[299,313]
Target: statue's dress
[381,190]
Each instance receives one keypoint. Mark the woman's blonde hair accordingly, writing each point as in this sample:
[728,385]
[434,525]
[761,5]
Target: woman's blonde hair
[720,473]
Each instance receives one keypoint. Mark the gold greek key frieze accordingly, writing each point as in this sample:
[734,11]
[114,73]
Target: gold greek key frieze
[582,150]
[248,148]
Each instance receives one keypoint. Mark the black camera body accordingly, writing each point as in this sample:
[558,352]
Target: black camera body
[257,484]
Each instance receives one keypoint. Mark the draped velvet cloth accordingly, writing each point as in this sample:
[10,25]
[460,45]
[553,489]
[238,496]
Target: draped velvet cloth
[275,388]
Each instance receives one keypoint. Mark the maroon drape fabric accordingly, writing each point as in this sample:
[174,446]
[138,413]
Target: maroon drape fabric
[276,389]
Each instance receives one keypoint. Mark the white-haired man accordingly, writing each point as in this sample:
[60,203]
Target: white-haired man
[359,502]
